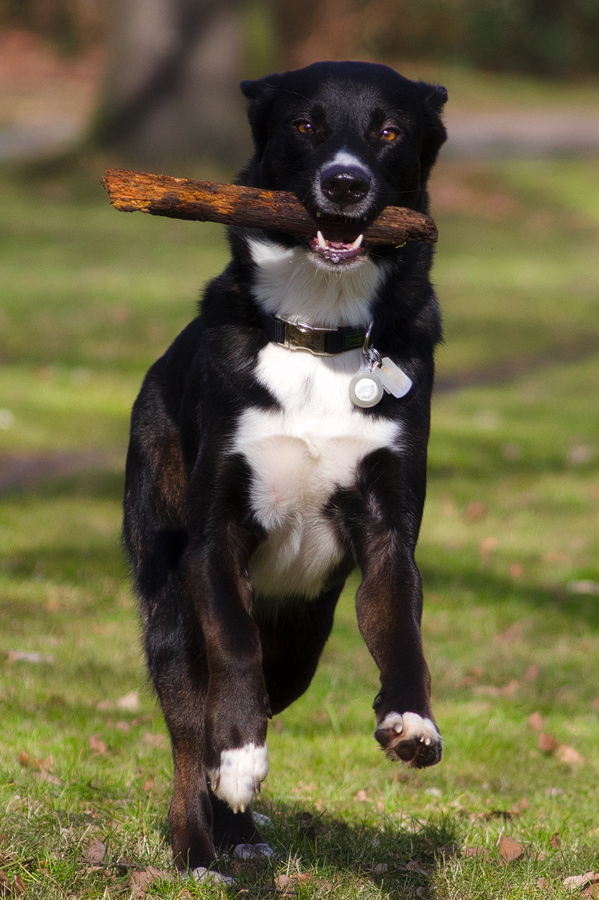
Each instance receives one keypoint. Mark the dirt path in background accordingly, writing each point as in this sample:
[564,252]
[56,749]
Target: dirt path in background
[18,472]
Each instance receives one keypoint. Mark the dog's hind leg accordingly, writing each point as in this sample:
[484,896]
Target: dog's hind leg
[181,686]
[237,832]
[155,537]
[293,636]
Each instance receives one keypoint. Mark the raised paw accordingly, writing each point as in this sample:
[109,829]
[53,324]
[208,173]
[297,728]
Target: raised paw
[239,775]
[410,738]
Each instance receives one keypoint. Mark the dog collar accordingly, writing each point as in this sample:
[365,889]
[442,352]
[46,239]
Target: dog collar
[314,339]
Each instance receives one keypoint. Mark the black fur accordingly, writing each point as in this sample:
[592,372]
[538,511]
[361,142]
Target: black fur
[221,660]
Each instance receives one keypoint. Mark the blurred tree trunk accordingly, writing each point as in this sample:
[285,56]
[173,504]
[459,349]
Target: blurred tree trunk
[172,85]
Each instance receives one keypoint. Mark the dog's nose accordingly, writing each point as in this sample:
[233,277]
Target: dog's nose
[345,185]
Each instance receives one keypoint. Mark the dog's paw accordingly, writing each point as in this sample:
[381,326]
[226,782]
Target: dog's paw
[260,850]
[201,875]
[239,775]
[410,738]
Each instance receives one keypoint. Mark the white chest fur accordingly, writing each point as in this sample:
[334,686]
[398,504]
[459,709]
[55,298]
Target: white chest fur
[299,454]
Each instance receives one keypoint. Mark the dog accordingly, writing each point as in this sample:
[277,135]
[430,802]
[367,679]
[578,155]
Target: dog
[281,442]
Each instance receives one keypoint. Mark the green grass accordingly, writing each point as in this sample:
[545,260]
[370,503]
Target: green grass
[508,544]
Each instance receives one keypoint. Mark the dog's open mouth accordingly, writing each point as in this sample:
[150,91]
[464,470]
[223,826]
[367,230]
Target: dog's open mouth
[337,252]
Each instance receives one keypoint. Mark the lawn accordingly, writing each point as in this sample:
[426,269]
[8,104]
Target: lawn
[508,553]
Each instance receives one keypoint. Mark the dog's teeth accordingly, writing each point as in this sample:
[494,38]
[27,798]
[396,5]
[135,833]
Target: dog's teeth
[357,243]
[321,241]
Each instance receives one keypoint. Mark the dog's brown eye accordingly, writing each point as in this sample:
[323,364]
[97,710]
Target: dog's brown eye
[304,127]
[389,134]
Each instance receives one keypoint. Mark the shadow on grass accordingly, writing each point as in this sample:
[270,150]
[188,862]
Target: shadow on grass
[317,852]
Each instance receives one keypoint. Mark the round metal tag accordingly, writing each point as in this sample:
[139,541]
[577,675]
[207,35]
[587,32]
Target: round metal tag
[365,389]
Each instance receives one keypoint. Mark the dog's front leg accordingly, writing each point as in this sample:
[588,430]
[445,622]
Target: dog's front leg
[236,709]
[388,606]
[383,519]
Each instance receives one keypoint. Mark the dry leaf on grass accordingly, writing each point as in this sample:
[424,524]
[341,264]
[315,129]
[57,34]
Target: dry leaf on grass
[533,672]
[154,740]
[29,657]
[555,841]
[11,887]
[486,546]
[287,884]
[414,865]
[475,511]
[576,881]
[48,777]
[27,761]
[95,853]
[509,849]
[139,882]
[535,721]
[97,745]
[130,702]
[42,766]
[547,742]
[105,705]
[481,852]
[507,690]
[567,754]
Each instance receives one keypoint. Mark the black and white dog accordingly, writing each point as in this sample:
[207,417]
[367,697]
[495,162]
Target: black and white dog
[281,442]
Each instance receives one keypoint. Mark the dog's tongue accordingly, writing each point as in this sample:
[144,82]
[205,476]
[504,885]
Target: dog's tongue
[336,251]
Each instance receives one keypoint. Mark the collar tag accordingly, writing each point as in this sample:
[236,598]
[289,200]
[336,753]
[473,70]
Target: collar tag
[393,378]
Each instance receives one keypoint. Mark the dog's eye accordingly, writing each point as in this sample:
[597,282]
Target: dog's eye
[389,134]
[304,127]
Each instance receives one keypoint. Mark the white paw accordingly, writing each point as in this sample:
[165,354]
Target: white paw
[209,876]
[253,851]
[411,726]
[411,738]
[240,774]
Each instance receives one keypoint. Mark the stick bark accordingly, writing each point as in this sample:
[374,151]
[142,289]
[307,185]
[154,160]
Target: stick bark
[248,207]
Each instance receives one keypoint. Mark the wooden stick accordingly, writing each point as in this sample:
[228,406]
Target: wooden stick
[247,207]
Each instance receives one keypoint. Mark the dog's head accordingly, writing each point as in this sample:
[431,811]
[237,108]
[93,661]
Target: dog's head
[348,138]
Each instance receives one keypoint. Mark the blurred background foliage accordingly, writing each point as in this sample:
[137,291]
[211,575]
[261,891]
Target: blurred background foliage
[548,38]
[172,67]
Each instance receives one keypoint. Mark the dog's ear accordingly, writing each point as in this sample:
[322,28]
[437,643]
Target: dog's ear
[261,94]
[434,98]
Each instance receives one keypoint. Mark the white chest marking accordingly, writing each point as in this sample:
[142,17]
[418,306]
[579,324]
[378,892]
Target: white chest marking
[299,455]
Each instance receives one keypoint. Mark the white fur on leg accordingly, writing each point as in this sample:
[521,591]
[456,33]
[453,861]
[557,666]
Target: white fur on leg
[239,775]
